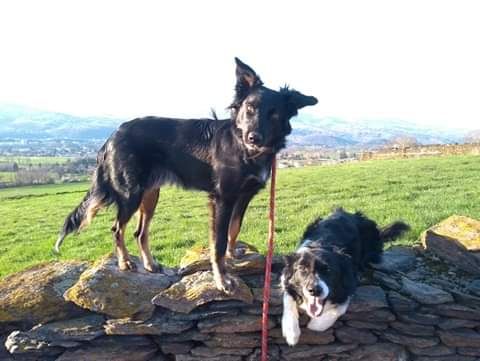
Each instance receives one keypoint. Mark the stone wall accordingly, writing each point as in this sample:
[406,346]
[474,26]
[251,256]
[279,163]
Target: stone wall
[405,309]
[422,151]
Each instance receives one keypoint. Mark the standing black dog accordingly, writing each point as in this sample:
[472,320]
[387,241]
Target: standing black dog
[321,276]
[229,159]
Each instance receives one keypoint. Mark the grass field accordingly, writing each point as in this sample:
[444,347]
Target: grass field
[420,191]
[43,160]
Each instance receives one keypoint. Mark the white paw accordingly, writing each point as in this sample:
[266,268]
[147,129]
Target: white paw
[290,330]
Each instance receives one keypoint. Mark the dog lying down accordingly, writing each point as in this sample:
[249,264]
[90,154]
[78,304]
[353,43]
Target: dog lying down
[321,276]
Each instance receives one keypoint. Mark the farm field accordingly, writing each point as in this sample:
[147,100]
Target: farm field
[419,191]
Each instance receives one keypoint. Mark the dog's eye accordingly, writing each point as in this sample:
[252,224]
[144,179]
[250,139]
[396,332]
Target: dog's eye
[250,109]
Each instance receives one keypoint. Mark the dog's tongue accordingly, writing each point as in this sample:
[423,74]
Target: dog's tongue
[316,307]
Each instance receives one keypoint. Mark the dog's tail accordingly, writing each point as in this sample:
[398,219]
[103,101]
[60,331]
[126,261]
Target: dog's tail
[393,231]
[97,197]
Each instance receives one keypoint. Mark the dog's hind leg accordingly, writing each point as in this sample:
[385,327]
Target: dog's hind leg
[236,223]
[220,214]
[125,212]
[146,210]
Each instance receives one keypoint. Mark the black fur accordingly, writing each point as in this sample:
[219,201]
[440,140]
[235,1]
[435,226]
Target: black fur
[337,249]
[230,159]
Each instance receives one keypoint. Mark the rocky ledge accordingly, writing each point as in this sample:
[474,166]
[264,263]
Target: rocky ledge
[415,305]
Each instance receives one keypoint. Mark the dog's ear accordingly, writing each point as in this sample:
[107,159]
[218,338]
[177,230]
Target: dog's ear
[289,261]
[299,100]
[246,79]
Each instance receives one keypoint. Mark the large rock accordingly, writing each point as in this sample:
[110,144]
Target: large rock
[423,293]
[118,348]
[460,337]
[104,288]
[69,333]
[36,294]
[368,298]
[397,259]
[197,289]
[454,240]
[198,259]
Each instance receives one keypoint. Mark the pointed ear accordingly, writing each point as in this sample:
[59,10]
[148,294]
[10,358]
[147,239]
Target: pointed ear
[246,79]
[298,100]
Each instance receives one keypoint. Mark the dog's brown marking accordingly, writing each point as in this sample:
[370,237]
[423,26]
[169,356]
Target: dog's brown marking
[124,261]
[145,215]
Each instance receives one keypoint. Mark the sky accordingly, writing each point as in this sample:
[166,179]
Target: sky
[417,61]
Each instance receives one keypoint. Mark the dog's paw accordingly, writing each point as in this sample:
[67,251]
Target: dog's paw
[225,284]
[127,265]
[291,330]
[152,267]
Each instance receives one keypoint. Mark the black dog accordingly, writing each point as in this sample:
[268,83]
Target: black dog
[229,159]
[321,276]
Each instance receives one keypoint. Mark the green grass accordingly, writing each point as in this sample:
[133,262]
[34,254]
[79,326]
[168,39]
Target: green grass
[420,191]
[7,177]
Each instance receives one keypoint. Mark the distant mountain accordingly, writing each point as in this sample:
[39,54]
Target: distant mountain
[339,133]
[21,122]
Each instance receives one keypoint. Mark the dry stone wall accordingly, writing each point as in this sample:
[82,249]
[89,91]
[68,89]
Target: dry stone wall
[410,307]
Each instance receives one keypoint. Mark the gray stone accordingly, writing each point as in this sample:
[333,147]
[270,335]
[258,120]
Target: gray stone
[69,333]
[307,352]
[460,337]
[381,315]
[36,294]
[474,287]
[198,289]
[105,289]
[446,358]
[400,303]
[397,259]
[238,324]
[466,299]
[368,298]
[469,351]
[386,281]
[420,318]
[411,341]
[413,328]
[458,311]
[177,348]
[201,314]
[118,348]
[191,335]
[219,351]
[379,352]
[451,323]
[246,340]
[368,325]
[201,358]
[439,350]
[307,337]
[257,310]
[156,325]
[425,294]
[354,335]
[273,354]
[276,296]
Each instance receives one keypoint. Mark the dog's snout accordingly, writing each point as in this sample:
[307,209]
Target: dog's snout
[254,138]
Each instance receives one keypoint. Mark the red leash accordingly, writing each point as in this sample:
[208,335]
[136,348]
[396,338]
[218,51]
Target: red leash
[268,263]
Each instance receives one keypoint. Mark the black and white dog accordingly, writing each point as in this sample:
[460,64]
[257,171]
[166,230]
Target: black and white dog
[321,276]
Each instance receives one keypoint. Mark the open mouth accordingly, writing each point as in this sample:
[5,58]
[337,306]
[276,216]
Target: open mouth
[315,306]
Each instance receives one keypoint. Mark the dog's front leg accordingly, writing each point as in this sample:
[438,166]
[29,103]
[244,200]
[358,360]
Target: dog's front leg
[290,326]
[220,214]
[236,223]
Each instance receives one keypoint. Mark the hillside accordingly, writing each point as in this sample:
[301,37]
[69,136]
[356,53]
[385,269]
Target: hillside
[420,191]
[18,122]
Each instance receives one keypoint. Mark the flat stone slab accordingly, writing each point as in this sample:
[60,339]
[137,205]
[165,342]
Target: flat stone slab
[105,289]
[237,324]
[197,289]
[198,259]
[69,333]
[454,240]
[36,294]
[368,298]
[118,348]
[397,259]
[423,293]
[157,325]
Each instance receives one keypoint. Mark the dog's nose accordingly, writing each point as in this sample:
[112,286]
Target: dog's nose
[315,290]
[254,138]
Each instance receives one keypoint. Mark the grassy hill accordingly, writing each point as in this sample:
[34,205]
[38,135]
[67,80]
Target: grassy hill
[419,191]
